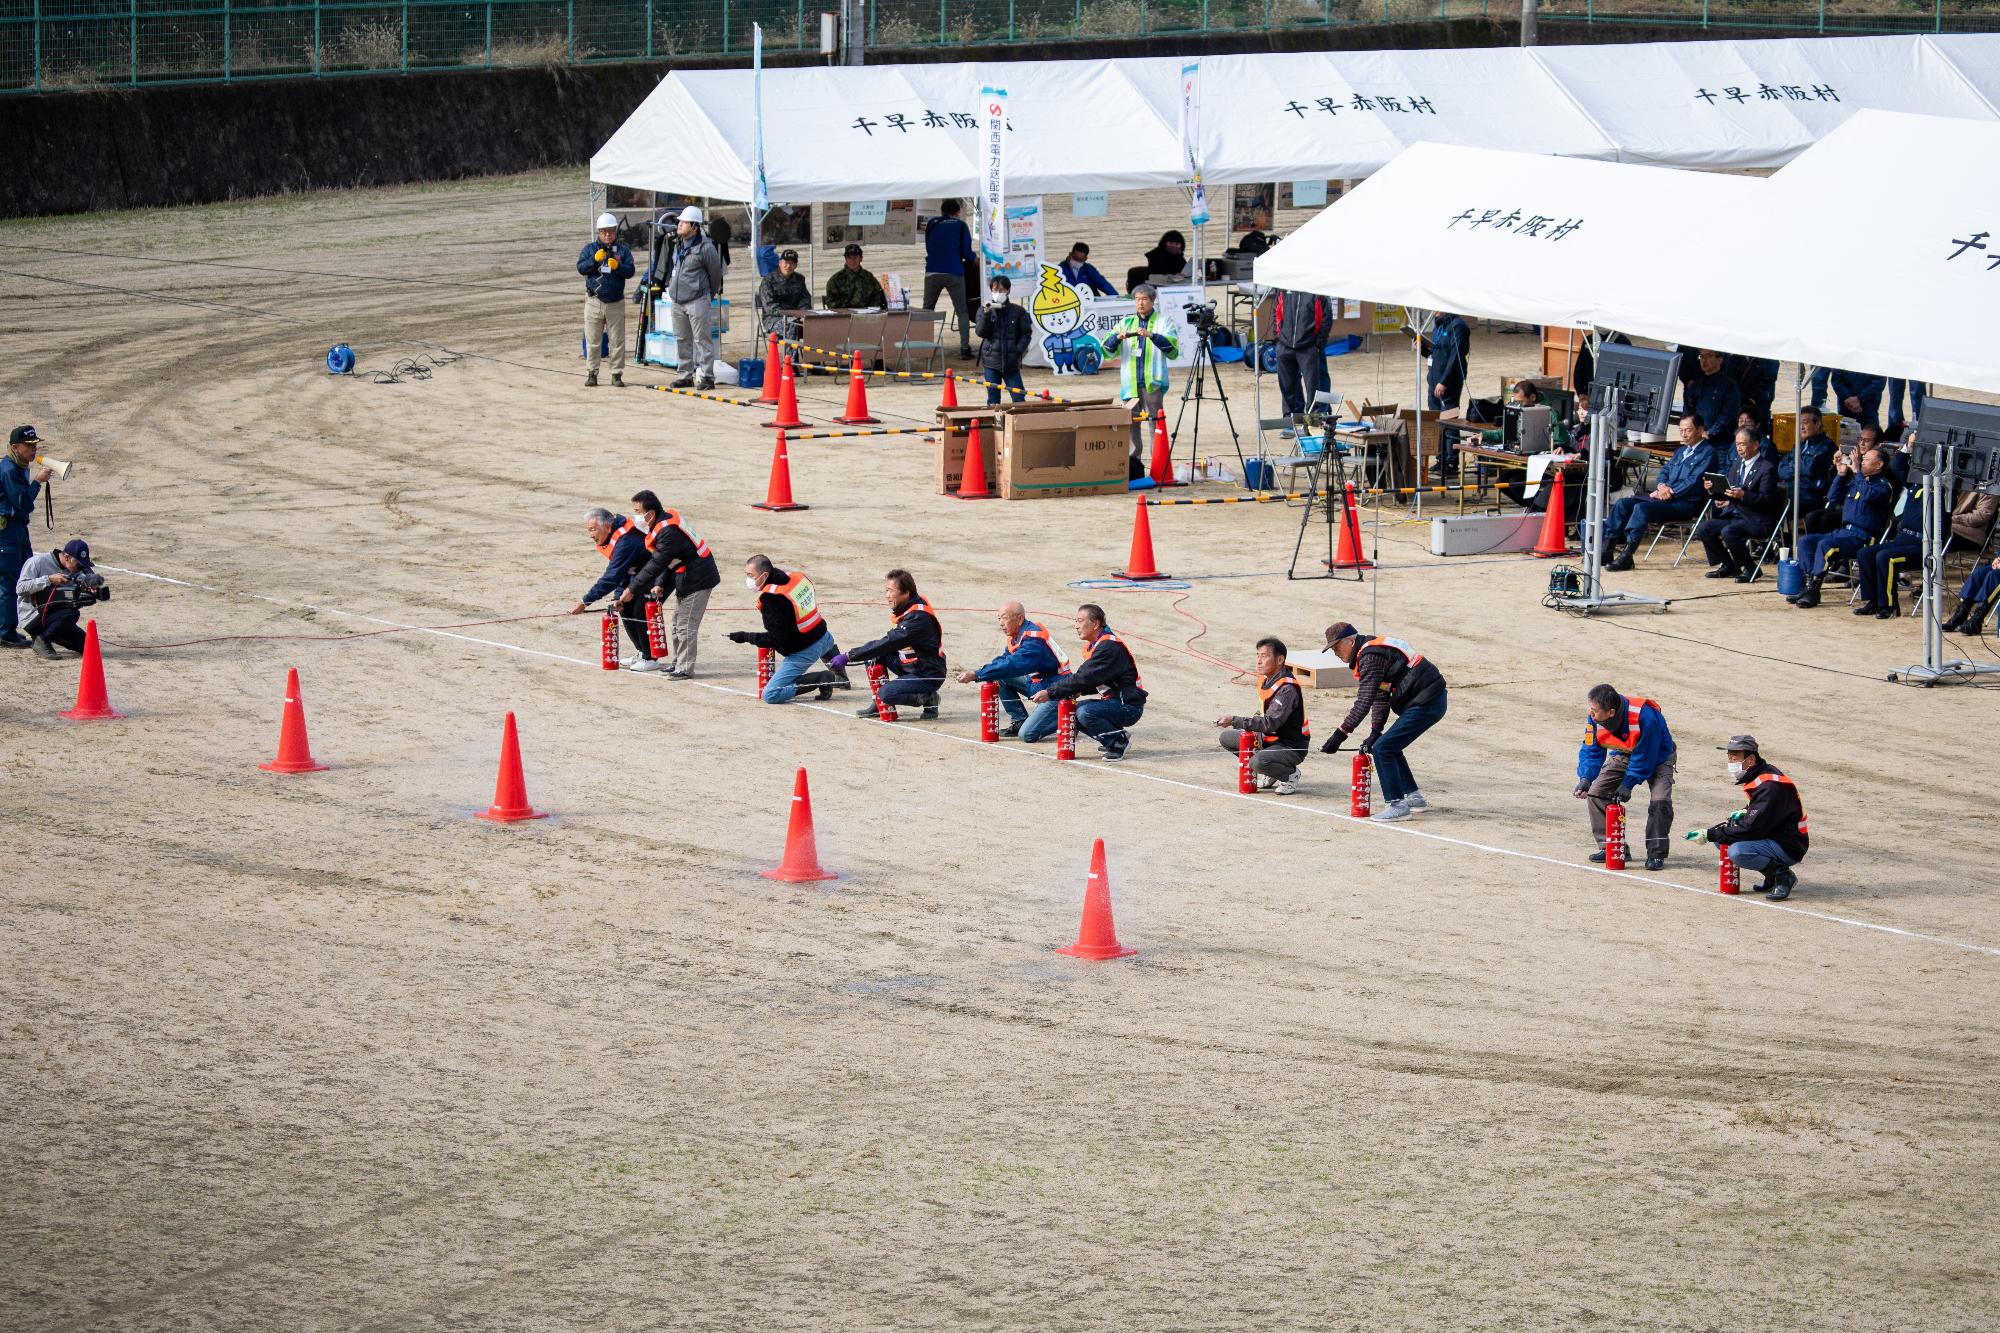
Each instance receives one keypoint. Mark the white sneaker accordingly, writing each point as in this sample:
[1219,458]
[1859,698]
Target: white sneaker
[1285,787]
[1415,800]
[1264,781]
[1391,812]
[647,664]
[627,662]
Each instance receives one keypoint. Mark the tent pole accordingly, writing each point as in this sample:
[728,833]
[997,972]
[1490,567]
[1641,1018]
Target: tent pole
[1417,444]
[1798,491]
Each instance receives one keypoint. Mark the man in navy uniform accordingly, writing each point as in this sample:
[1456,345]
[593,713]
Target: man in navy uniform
[20,486]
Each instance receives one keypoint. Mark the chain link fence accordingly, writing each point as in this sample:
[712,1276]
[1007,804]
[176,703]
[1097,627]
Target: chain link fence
[56,45]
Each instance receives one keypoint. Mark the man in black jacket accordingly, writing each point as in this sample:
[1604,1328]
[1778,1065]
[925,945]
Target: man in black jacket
[1743,510]
[680,565]
[1280,728]
[912,650]
[623,546]
[1110,670]
[793,628]
[1302,321]
[1004,334]
[1388,673]
[1769,833]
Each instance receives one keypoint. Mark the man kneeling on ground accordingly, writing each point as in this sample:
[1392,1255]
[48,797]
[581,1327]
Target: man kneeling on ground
[1281,731]
[1030,662]
[912,650]
[1769,833]
[793,628]
[1111,671]
[50,594]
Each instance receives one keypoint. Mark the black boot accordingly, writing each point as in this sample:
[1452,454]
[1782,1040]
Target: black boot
[1783,881]
[1889,612]
[930,708]
[1972,622]
[1867,608]
[1810,597]
[1624,560]
[1957,620]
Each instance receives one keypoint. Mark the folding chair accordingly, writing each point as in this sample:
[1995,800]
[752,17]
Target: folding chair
[1895,516]
[1770,543]
[910,342]
[1686,541]
[864,334]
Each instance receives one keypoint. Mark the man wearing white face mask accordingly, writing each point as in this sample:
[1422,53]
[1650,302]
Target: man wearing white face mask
[794,629]
[1004,334]
[1769,833]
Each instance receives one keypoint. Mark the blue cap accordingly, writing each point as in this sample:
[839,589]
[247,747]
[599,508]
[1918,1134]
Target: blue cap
[78,550]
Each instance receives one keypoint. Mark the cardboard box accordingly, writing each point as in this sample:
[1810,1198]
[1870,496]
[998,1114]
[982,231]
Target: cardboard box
[954,428]
[1052,450]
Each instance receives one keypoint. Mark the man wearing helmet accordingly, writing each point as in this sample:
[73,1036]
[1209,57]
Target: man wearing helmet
[693,278]
[605,264]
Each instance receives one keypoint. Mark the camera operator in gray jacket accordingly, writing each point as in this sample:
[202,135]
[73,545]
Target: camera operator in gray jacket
[693,279]
[51,593]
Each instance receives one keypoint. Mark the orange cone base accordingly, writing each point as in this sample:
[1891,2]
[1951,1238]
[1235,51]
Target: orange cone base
[1139,578]
[1096,953]
[813,876]
[306,765]
[983,495]
[859,421]
[104,714]
[495,815]
[1363,563]
[778,509]
[785,425]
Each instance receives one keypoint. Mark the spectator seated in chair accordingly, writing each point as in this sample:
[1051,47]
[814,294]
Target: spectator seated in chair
[1814,452]
[1862,499]
[1676,495]
[1975,598]
[1877,566]
[1743,511]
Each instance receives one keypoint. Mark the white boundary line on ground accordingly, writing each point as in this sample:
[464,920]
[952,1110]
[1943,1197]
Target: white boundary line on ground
[1651,881]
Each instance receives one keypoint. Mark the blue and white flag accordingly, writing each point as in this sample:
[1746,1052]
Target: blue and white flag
[993,178]
[1190,137]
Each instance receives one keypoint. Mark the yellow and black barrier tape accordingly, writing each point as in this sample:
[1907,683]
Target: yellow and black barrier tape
[710,397]
[1274,497]
[852,434]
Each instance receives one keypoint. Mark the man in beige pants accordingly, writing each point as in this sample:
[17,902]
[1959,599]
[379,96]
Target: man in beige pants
[680,566]
[605,264]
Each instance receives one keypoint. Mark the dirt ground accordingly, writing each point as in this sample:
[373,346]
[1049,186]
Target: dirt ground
[322,1051]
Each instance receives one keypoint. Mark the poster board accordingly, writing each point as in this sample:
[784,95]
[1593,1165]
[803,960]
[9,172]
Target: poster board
[1024,245]
[898,228]
[1067,316]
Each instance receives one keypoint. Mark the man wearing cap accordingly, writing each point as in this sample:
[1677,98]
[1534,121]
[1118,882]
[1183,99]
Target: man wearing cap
[605,264]
[1769,833]
[693,280]
[853,287]
[50,621]
[782,296]
[1625,743]
[1388,673]
[20,486]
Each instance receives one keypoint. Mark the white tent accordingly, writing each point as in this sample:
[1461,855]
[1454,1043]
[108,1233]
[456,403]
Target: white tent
[1760,267]
[904,131]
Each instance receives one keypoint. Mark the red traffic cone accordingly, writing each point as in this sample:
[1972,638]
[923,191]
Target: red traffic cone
[1614,836]
[1246,745]
[1139,564]
[972,483]
[1096,936]
[1162,469]
[857,398]
[771,376]
[778,493]
[1554,540]
[92,704]
[510,791]
[950,398]
[294,751]
[1358,793]
[801,864]
[788,401]
[1347,555]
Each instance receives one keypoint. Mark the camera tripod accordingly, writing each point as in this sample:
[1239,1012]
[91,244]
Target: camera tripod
[1199,373]
[1332,504]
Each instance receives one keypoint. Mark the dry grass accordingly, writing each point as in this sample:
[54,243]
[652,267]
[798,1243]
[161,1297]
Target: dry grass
[376,44]
[1781,1118]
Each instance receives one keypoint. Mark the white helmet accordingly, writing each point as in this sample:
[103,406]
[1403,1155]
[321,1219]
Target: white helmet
[607,220]
[691,214]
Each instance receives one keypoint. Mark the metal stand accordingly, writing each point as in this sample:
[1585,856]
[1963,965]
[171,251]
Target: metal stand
[1331,504]
[1937,533]
[1604,418]
[1203,369]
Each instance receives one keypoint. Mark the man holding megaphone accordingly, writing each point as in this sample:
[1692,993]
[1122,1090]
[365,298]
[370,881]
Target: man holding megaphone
[20,486]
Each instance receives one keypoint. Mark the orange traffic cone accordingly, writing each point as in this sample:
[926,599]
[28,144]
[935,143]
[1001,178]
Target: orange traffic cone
[778,493]
[788,401]
[92,704]
[510,791]
[857,398]
[1162,469]
[1096,936]
[1140,563]
[1554,540]
[1347,555]
[950,398]
[801,864]
[294,752]
[770,391]
[972,484]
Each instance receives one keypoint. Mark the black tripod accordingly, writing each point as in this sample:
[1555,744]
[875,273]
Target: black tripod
[1333,505]
[1196,388]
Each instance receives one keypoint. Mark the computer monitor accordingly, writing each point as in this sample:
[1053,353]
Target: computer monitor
[1637,385]
[1972,430]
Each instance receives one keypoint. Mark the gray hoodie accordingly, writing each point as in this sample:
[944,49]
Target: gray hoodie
[697,269]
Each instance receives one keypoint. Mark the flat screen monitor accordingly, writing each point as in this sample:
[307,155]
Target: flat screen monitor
[1641,382]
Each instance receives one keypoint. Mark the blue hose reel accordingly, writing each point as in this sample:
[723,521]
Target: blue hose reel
[340,359]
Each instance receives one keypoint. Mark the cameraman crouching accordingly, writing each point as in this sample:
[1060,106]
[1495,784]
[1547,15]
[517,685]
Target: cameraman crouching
[51,594]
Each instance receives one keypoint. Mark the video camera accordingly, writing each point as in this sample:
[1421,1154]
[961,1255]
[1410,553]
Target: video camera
[84,588]
[1200,317]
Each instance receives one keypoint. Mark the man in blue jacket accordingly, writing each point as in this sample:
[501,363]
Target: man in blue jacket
[20,486]
[605,264]
[1858,396]
[1030,662]
[949,267]
[1864,499]
[1814,453]
[623,545]
[1716,397]
[1625,743]
[1877,566]
[1079,272]
[1448,346]
[1676,494]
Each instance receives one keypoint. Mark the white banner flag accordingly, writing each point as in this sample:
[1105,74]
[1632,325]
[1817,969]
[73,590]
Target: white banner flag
[1190,135]
[993,181]
[760,201]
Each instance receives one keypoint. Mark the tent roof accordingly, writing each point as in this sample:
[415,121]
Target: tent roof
[889,131]
[1749,265]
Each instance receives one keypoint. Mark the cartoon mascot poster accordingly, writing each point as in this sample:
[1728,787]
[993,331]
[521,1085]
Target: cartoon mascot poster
[1058,312]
